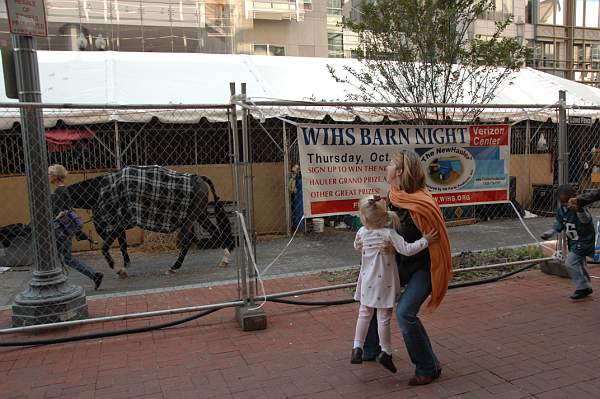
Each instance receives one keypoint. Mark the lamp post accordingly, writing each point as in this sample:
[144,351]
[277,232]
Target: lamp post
[48,298]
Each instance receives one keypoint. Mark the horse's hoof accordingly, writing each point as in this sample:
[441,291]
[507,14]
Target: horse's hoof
[123,273]
[224,264]
[170,272]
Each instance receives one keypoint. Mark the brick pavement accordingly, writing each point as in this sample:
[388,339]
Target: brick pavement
[520,338]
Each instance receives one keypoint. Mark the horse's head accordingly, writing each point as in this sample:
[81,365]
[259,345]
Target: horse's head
[85,194]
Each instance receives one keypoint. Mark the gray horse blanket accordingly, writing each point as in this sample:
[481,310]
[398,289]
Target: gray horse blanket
[150,197]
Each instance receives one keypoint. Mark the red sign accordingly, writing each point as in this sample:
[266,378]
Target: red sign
[488,135]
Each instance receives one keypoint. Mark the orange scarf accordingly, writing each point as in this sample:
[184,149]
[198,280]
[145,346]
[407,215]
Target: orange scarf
[427,215]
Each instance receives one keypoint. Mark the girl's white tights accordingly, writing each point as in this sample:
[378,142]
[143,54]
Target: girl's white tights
[384,315]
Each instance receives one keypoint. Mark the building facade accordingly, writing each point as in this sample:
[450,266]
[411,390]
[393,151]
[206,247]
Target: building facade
[564,34]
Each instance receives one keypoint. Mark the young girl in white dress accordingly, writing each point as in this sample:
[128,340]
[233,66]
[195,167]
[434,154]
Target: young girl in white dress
[378,285]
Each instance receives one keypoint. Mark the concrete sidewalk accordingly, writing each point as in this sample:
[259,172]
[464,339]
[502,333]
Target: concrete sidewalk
[519,338]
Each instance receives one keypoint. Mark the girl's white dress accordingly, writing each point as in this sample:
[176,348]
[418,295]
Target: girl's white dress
[378,283]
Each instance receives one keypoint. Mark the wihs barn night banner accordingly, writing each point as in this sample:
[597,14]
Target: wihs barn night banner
[342,163]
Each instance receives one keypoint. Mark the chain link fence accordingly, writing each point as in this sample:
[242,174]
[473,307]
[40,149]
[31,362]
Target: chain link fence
[327,242]
[132,181]
[152,192]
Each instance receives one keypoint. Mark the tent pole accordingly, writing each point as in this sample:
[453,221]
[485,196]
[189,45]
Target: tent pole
[117,146]
[286,171]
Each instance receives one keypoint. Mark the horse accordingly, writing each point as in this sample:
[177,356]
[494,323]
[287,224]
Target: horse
[155,199]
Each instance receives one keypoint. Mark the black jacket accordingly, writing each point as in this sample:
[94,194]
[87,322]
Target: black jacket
[407,265]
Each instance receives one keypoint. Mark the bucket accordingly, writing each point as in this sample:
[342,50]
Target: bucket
[318,225]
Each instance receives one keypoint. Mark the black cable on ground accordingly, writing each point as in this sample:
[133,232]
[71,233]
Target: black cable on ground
[312,303]
[105,334]
[450,286]
[155,327]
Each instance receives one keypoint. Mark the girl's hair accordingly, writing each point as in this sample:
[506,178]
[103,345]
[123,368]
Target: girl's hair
[412,177]
[58,171]
[374,213]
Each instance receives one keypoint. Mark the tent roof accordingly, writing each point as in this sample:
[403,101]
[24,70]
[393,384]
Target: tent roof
[96,77]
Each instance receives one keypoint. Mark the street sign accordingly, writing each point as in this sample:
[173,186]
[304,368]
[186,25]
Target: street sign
[580,120]
[27,17]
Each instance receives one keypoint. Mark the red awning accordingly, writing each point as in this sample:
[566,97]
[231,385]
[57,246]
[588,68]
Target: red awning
[65,139]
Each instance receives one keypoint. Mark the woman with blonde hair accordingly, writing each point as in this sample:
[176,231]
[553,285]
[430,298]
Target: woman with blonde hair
[425,274]
[378,284]
[61,207]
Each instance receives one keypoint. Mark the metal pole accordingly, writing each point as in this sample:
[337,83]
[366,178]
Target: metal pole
[236,196]
[117,145]
[48,298]
[286,173]
[563,154]
[249,197]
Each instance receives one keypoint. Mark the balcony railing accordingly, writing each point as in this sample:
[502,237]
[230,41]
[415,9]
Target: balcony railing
[275,9]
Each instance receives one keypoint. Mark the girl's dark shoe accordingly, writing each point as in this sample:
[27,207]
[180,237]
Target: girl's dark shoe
[98,280]
[356,356]
[386,361]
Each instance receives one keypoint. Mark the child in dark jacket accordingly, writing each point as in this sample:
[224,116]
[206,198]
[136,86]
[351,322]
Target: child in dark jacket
[577,223]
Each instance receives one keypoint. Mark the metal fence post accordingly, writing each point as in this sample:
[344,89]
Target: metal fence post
[563,156]
[237,197]
[563,150]
[48,298]
[249,197]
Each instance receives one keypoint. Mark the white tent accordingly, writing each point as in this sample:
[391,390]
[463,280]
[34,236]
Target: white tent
[171,78]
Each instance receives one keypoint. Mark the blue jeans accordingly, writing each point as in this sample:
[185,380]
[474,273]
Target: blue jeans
[65,246]
[576,266]
[415,337]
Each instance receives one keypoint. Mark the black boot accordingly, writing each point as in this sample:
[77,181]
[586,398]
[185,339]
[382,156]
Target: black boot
[356,356]
[386,361]
[580,294]
[97,280]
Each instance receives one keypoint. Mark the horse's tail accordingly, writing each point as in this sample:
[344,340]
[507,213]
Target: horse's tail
[212,188]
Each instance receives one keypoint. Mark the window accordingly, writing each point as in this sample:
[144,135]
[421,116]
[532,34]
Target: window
[269,49]
[334,7]
[504,9]
[545,52]
[276,50]
[579,12]
[595,50]
[308,5]
[529,12]
[260,49]
[546,12]
[591,13]
[335,45]
[559,12]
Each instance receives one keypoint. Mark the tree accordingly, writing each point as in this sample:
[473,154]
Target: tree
[419,51]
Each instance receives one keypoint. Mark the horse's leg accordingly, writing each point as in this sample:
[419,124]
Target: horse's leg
[225,260]
[108,240]
[215,234]
[123,247]
[187,234]
[122,272]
